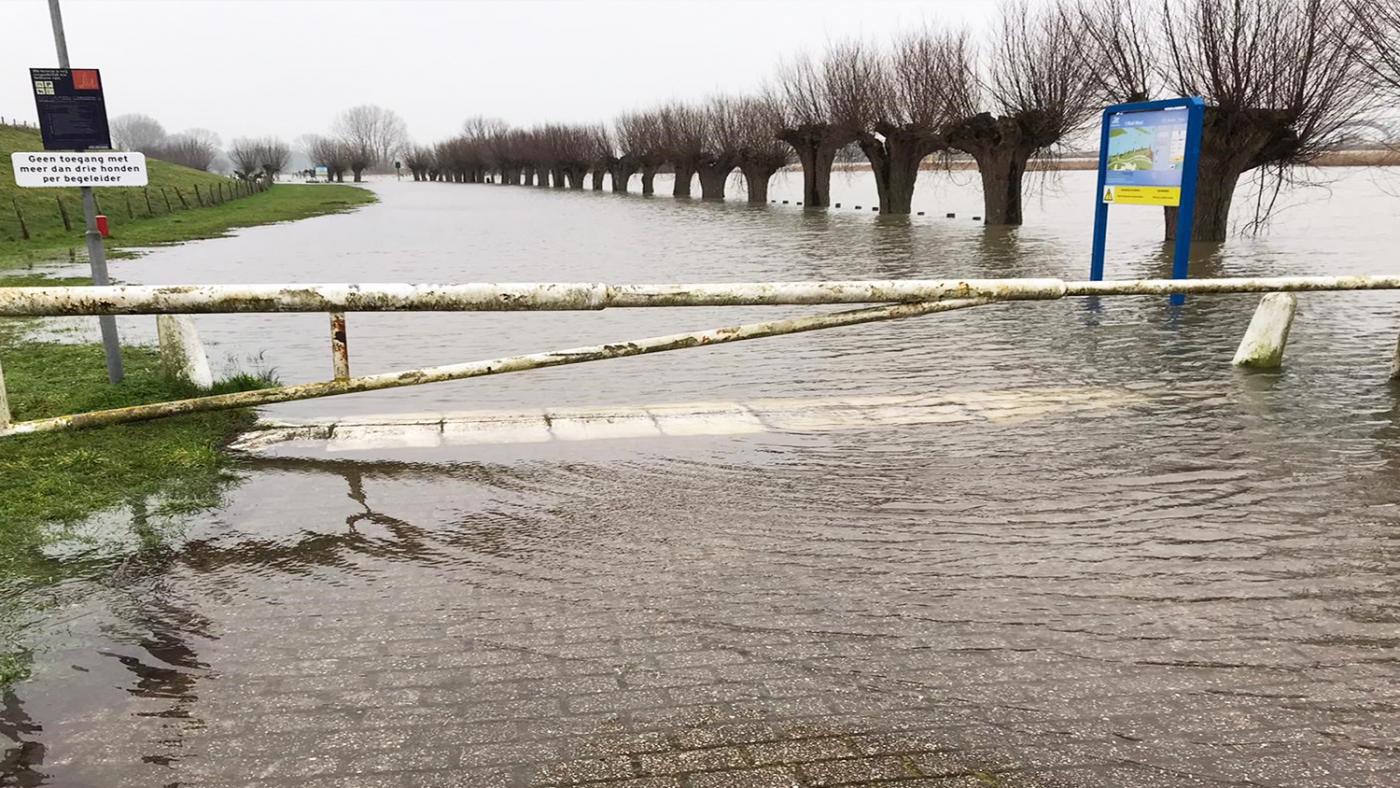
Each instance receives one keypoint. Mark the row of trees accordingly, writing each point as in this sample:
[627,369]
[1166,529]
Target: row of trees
[1284,80]
[361,138]
[197,148]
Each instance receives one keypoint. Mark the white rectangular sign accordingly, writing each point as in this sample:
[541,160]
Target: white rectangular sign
[95,168]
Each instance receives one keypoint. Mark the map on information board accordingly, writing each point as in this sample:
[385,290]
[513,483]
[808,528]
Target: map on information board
[1146,154]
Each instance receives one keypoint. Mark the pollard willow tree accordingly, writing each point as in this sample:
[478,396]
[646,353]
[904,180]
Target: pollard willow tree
[721,153]
[898,105]
[1282,82]
[641,135]
[620,155]
[807,125]
[761,153]
[1034,87]
[683,138]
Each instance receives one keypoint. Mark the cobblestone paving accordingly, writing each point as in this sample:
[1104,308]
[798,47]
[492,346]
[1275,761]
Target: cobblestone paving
[675,621]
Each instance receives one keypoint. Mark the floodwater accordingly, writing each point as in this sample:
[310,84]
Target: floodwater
[1194,585]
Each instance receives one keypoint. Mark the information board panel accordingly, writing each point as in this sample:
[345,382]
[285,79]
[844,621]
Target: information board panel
[99,168]
[1145,158]
[1149,152]
[72,110]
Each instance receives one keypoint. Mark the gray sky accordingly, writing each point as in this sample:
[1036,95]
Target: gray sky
[260,67]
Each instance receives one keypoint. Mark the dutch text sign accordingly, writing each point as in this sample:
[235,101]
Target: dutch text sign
[115,168]
[1146,155]
[72,111]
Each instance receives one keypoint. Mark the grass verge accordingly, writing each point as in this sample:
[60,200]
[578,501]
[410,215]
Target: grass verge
[139,221]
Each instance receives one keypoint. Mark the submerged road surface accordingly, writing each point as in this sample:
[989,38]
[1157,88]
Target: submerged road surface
[1085,552]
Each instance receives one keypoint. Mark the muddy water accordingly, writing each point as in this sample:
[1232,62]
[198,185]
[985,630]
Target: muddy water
[1196,586]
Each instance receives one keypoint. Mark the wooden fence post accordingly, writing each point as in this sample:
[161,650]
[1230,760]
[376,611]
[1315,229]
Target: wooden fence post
[147,192]
[183,204]
[168,209]
[198,195]
[23,228]
[63,212]
[127,195]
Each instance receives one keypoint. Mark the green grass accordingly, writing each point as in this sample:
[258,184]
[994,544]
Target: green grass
[49,240]
[167,467]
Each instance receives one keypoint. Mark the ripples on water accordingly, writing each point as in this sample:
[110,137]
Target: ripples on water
[1244,521]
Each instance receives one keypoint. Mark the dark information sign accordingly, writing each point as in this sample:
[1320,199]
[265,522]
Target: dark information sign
[72,112]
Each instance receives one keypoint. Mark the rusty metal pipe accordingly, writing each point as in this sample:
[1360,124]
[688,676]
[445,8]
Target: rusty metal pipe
[497,366]
[340,350]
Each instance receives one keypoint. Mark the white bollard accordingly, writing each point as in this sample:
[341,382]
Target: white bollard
[181,352]
[1264,340]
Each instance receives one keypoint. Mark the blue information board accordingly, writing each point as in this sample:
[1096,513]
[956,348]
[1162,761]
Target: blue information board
[1149,153]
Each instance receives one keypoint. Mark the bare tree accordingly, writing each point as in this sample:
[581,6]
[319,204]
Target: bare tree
[418,159]
[246,155]
[371,134]
[196,148]
[274,154]
[642,136]
[723,135]
[809,127]
[137,132]
[761,153]
[683,140]
[896,104]
[1375,35]
[329,153]
[1039,87]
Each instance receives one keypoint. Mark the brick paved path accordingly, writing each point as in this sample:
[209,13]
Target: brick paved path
[703,618]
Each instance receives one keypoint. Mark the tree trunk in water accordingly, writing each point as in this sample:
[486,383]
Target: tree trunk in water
[1002,168]
[712,180]
[895,163]
[621,174]
[757,177]
[816,163]
[1215,189]
[557,173]
[649,178]
[358,179]
[684,174]
[598,173]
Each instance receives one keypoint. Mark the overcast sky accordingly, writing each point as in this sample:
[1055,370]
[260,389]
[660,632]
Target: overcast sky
[260,67]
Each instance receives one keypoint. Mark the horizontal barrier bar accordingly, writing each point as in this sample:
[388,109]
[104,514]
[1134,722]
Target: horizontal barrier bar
[491,367]
[548,296]
[490,297]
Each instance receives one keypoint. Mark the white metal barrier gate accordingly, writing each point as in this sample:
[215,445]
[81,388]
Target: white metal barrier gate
[895,298]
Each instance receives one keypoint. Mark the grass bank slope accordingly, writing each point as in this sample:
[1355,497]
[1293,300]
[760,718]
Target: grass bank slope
[180,204]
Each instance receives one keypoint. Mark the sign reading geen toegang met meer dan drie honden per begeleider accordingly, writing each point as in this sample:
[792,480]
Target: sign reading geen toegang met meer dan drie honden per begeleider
[1146,157]
[72,110]
[94,168]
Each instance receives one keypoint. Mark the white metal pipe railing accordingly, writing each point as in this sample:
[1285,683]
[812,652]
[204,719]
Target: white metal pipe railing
[551,296]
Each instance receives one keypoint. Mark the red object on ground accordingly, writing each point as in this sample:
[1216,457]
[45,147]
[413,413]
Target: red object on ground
[102,226]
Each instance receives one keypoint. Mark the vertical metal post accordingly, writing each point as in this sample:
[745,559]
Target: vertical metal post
[97,253]
[1186,213]
[340,351]
[4,402]
[1100,207]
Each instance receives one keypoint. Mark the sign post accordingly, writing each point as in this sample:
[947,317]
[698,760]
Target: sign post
[72,114]
[1149,153]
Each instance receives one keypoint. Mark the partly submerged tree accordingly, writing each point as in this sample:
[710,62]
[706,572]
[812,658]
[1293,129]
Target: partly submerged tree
[371,134]
[761,153]
[1282,81]
[1037,87]
[721,151]
[808,126]
[683,139]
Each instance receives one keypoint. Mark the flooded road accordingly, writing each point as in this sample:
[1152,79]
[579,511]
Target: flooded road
[1192,583]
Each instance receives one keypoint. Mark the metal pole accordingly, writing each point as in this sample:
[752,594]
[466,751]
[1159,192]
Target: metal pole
[4,403]
[97,253]
[340,351]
